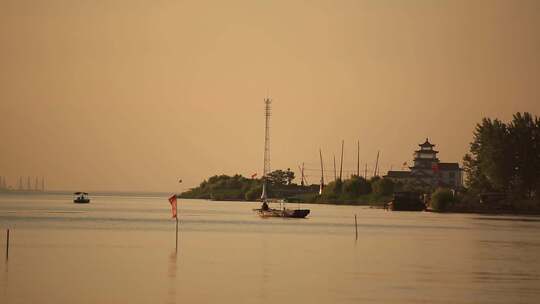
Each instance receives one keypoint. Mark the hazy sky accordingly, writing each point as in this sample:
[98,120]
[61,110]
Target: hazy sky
[131,95]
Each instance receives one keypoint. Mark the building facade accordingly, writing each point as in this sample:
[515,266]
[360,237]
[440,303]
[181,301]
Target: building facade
[429,171]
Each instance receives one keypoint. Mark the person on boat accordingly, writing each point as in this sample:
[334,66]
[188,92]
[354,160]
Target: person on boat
[265,206]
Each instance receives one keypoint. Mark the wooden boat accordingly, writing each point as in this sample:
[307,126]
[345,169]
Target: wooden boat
[281,212]
[296,213]
[81,198]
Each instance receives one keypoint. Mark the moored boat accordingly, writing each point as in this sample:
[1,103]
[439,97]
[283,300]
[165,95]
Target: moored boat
[296,213]
[266,211]
[81,198]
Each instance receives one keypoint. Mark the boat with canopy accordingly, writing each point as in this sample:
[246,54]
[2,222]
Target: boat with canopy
[81,198]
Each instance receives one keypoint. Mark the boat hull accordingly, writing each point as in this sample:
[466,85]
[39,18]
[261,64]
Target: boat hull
[296,213]
[81,201]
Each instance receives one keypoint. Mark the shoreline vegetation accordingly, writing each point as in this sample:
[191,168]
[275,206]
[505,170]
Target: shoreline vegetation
[502,168]
[353,191]
[502,177]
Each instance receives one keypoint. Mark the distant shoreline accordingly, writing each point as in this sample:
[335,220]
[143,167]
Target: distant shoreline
[380,205]
[94,193]
[372,205]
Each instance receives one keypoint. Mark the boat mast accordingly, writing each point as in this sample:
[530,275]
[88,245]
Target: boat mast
[375,171]
[365,172]
[322,174]
[341,162]
[335,172]
[303,182]
[358,160]
[266,169]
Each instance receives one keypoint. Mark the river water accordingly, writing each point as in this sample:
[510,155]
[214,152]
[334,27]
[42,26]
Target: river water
[121,249]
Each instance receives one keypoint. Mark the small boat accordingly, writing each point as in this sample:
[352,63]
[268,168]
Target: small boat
[406,201]
[81,198]
[266,211]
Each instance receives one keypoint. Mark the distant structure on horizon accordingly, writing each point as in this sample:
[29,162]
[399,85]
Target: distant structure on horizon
[429,171]
[4,186]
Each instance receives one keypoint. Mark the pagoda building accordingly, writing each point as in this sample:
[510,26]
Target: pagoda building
[425,158]
[425,164]
[428,171]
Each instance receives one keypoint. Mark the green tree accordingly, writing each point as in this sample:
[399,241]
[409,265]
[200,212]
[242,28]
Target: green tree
[383,186]
[442,199]
[254,192]
[333,189]
[489,164]
[356,186]
[280,177]
[505,157]
[524,133]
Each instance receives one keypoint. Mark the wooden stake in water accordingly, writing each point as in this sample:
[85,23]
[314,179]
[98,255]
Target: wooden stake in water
[177,232]
[356,226]
[7,245]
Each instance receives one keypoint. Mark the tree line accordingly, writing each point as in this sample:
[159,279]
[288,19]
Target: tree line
[505,157]
[238,187]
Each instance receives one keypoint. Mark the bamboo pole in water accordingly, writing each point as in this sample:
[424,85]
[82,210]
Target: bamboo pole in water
[7,245]
[356,226]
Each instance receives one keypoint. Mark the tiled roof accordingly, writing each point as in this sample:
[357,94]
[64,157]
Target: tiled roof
[426,144]
[427,151]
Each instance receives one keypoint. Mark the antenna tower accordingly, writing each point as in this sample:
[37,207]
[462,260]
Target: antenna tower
[266,170]
[267,114]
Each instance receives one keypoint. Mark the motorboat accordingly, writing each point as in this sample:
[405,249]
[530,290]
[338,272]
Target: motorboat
[81,198]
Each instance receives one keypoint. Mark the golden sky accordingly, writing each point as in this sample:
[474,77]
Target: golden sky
[131,95]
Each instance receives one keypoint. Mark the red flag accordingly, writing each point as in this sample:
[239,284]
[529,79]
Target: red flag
[435,168]
[172,200]
[253,175]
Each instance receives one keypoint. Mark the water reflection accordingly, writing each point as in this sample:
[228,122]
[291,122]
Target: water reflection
[5,274]
[265,272]
[173,258]
[230,256]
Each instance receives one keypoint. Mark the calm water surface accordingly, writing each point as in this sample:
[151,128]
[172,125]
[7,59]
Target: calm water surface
[121,250]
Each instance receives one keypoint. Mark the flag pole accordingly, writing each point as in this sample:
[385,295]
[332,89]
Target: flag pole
[176,206]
